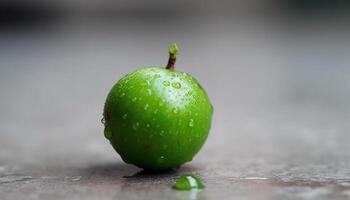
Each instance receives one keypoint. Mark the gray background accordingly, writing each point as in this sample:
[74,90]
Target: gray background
[277,74]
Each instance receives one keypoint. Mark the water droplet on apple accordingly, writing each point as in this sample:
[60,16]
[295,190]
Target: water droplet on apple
[125,115]
[108,133]
[160,159]
[176,85]
[146,107]
[136,126]
[161,132]
[149,91]
[191,123]
[122,95]
[166,83]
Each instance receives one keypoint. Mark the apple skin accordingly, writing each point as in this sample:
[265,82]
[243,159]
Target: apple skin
[157,119]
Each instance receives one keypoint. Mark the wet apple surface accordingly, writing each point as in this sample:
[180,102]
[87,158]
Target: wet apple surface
[157,118]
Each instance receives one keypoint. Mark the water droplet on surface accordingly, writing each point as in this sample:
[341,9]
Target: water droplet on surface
[160,159]
[146,107]
[125,115]
[188,182]
[191,123]
[161,132]
[76,178]
[135,126]
[255,178]
[175,110]
[108,133]
[149,91]
[176,85]
[166,83]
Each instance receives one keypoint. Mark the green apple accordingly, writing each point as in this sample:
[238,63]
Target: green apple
[157,118]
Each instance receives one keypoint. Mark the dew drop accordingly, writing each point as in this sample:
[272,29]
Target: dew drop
[146,107]
[176,85]
[166,83]
[191,123]
[108,133]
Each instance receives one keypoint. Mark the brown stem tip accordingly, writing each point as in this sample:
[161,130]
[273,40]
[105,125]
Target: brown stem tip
[173,52]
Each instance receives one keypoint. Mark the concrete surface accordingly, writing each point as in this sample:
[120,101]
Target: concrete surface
[280,128]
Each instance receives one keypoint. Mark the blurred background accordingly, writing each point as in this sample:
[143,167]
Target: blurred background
[277,72]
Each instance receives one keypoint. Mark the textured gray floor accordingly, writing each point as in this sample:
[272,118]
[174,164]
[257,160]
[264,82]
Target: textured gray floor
[281,99]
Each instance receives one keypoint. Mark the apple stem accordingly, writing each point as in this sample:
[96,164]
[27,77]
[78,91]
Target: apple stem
[173,52]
